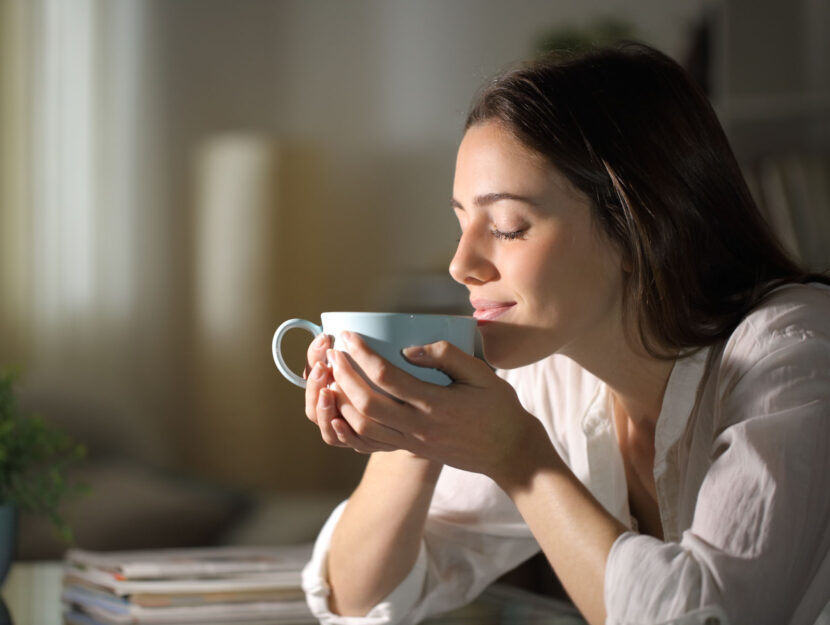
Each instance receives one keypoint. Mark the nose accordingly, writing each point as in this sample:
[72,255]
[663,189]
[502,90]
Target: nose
[472,263]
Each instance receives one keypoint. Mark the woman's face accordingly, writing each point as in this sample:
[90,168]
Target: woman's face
[541,277]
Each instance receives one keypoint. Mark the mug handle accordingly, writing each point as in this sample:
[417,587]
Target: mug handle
[276,347]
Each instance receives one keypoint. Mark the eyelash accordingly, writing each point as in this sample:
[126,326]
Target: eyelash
[504,236]
[509,236]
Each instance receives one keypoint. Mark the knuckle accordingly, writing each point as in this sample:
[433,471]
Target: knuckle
[382,373]
[361,427]
[423,434]
[358,346]
[442,347]
[427,407]
[503,386]
[364,404]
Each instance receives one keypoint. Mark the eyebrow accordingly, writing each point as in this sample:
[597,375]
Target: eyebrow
[491,198]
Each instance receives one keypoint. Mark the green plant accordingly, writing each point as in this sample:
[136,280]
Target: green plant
[34,459]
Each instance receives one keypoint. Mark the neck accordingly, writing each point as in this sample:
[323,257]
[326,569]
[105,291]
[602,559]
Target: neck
[637,380]
[638,388]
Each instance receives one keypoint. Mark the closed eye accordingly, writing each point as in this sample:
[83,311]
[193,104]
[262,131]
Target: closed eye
[509,235]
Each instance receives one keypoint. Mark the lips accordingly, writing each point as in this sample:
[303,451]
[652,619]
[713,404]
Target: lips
[488,310]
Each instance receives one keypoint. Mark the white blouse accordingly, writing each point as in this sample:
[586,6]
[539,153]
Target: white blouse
[742,470]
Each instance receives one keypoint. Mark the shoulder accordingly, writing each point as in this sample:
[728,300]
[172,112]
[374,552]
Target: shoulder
[789,315]
[778,357]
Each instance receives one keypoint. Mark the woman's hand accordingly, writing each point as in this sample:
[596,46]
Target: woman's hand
[476,423]
[320,405]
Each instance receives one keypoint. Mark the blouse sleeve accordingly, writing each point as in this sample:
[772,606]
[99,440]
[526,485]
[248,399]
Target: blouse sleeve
[390,610]
[757,549]
[473,534]
[457,560]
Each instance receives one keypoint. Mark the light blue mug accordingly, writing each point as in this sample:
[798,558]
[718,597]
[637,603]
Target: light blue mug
[387,334]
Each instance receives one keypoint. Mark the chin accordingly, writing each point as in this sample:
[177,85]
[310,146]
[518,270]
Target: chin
[503,356]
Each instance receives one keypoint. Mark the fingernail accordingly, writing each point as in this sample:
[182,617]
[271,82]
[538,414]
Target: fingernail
[348,338]
[331,356]
[319,341]
[414,353]
[318,371]
[324,401]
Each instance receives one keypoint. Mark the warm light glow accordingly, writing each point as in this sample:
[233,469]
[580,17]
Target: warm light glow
[64,158]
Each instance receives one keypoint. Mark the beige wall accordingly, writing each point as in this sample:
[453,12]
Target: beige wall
[367,100]
[362,104]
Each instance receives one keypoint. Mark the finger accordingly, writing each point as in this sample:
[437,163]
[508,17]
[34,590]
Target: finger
[461,367]
[370,430]
[318,379]
[347,436]
[383,374]
[369,412]
[326,413]
[316,352]
[341,427]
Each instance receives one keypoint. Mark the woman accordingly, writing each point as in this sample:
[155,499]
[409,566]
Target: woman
[659,418]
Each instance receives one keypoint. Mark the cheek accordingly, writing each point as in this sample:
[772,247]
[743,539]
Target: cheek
[576,274]
[550,268]
[595,284]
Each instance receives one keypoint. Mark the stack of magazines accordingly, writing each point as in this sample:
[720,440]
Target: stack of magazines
[212,585]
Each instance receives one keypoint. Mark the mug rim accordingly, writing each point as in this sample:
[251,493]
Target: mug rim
[394,314]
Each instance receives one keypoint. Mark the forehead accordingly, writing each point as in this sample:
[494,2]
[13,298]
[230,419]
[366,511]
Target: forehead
[492,143]
[491,159]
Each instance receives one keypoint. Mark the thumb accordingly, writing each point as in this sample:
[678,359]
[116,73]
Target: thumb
[460,366]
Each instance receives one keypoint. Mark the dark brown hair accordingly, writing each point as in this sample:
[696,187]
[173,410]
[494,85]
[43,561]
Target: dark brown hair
[629,128]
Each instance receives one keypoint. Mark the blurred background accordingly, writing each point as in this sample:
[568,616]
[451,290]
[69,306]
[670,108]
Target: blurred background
[179,176]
